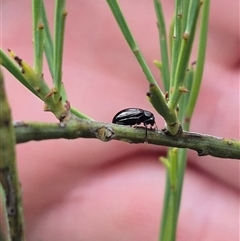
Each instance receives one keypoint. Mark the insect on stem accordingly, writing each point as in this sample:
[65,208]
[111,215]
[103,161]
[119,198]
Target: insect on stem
[134,117]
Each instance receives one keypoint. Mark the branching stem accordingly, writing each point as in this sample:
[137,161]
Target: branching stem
[203,144]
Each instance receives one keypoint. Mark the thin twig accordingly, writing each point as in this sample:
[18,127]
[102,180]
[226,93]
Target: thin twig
[203,144]
[8,170]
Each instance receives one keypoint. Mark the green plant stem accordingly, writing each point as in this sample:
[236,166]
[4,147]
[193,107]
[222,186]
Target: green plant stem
[168,224]
[130,40]
[170,212]
[176,41]
[15,71]
[187,104]
[159,103]
[48,42]
[163,44]
[200,60]
[4,227]
[80,115]
[184,54]
[195,82]
[203,144]
[8,169]
[184,100]
[175,173]
[59,25]
[182,162]
[37,36]
[185,6]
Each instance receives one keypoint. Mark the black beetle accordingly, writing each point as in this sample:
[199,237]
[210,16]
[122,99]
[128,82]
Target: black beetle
[134,116]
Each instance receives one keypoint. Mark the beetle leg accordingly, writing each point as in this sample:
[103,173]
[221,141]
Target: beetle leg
[155,127]
[145,138]
[135,125]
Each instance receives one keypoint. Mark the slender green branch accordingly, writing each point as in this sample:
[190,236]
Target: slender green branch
[169,220]
[4,227]
[8,169]
[37,36]
[48,42]
[159,103]
[59,25]
[165,208]
[203,144]
[176,171]
[184,100]
[200,60]
[185,6]
[184,54]
[182,153]
[79,114]
[38,84]
[7,62]
[130,40]
[193,83]
[163,44]
[176,40]
[183,83]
